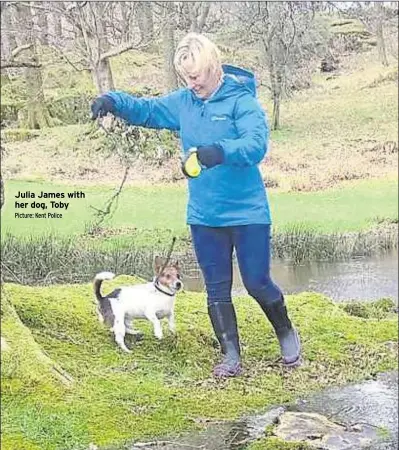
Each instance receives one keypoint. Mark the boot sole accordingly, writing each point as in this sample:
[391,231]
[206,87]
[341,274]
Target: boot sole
[223,371]
[291,365]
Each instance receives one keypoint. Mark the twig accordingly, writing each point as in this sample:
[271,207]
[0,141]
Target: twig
[111,200]
[233,438]
[167,259]
[63,375]
[244,441]
[163,443]
[198,311]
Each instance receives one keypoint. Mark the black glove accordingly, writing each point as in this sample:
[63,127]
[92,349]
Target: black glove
[101,106]
[210,155]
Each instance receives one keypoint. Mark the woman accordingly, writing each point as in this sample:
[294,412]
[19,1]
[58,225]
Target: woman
[224,128]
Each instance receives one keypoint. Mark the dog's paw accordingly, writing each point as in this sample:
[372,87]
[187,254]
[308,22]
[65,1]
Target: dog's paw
[126,350]
[123,347]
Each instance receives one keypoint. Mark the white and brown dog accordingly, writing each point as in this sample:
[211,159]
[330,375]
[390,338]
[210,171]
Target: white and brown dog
[152,301]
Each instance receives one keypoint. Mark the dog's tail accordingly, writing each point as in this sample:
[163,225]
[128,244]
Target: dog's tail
[98,279]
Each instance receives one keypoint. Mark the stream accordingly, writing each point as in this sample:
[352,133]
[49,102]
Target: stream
[357,279]
[369,410]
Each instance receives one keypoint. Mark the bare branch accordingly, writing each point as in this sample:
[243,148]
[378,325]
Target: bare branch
[124,48]
[11,63]
[20,49]
[18,64]
[32,5]
[63,56]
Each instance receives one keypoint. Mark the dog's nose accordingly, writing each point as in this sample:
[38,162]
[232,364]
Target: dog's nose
[178,284]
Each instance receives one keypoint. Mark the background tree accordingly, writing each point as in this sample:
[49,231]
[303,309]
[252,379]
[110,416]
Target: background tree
[37,114]
[145,21]
[98,32]
[168,45]
[192,16]
[380,19]
[8,30]
[287,37]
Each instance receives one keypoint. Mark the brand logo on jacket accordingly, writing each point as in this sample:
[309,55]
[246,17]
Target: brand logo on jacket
[218,118]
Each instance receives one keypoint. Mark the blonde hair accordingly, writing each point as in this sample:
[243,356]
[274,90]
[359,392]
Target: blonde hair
[199,53]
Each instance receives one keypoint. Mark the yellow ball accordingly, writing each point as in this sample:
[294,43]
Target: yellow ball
[192,166]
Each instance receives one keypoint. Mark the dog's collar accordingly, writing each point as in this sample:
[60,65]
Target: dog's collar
[159,288]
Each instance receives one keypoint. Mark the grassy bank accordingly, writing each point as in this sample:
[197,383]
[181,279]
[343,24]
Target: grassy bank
[163,388]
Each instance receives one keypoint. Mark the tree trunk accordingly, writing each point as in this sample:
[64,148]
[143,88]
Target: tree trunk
[101,69]
[42,25]
[169,47]
[56,23]
[276,77]
[205,8]
[14,335]
[8,41]
[37,114]
[1,181]
[102,76]
[276,102]
[198,12]
[276,112]
[145,21]
[1,191]
[382,53]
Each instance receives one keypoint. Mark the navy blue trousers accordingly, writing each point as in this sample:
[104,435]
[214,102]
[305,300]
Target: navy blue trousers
[214,248]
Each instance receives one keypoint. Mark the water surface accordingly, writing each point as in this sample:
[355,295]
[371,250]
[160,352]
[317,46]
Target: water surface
[357,279]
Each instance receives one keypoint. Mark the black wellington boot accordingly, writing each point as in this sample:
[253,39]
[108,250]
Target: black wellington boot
[224,322]
[287,335]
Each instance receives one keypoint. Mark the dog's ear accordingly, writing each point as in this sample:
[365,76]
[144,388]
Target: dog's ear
[176,265]
[158,263]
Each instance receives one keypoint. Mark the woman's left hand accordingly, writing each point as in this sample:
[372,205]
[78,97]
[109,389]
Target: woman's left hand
[210,155]
[198,157]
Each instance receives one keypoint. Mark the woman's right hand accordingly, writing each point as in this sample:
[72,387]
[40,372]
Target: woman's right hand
[101,106]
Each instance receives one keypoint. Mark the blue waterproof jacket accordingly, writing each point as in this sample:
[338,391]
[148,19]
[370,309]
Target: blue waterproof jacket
[232,193]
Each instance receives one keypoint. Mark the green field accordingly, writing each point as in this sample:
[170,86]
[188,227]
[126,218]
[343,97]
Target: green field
[351,207]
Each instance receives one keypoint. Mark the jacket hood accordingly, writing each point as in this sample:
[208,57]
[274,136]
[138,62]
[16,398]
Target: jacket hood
[244,77]
[236,80]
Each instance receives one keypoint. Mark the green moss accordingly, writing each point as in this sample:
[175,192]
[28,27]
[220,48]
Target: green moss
[379,309]
[18,441]
[23,364]
[277,444]
[161,387]
[383,432]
